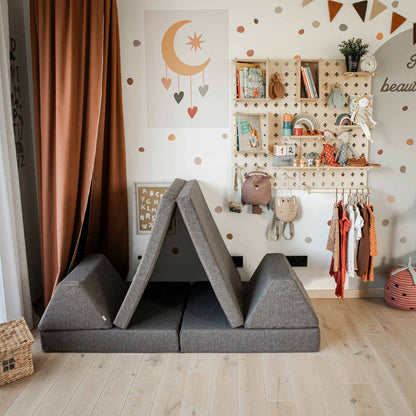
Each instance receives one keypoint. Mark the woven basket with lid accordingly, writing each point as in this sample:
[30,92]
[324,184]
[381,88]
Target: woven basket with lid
[15,351]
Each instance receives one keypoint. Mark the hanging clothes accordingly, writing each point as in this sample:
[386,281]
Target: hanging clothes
[344,227]
[363,255]
[351,241]
[358,225]
[373,242]
[333,239]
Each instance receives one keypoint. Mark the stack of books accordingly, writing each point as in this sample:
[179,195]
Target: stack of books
[308,82]
[251,81]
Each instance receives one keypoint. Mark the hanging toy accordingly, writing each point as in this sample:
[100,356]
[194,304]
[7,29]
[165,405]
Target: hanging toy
[337,98]
[342,155]
[361,114]
[254,137]
[276,88]
[329,151]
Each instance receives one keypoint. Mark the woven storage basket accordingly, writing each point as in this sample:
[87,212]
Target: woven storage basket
[400,290]
[15,351]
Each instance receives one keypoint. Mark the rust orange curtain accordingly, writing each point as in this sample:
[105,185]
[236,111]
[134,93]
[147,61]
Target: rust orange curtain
[81,161]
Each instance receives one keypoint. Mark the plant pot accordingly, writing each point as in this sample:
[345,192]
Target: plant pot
[352,62]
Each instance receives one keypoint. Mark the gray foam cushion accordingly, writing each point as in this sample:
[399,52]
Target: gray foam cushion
[154,326]
[276,298]
[212,252]
[205,328]
[147,264]
[88,298]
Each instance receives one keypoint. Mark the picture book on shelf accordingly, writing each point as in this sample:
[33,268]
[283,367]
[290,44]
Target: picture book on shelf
[251,80]
[308,82]
[248,132]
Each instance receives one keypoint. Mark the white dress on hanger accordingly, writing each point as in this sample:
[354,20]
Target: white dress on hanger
[351,242]
[358,225]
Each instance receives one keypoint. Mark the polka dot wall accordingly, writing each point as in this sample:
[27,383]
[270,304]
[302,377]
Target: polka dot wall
[283,29]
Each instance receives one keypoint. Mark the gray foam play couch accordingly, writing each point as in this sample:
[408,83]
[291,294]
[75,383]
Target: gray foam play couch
[94,310]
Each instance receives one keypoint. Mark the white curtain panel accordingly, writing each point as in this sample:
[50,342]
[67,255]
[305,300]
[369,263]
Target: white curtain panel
[14,280]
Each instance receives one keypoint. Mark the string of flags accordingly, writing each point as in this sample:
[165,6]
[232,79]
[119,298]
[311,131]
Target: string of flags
[360,7]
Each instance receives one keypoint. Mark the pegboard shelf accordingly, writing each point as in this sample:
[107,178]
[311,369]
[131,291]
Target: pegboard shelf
[358,74]
[332,168]
[327,72]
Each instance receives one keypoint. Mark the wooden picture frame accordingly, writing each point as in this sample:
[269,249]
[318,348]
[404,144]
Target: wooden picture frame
[147,199]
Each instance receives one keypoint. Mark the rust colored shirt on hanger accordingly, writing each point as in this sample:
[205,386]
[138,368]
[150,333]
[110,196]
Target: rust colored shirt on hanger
[363,256]
[344,227]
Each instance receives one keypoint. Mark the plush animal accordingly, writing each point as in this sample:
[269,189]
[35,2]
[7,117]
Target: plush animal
[328,150]
[342,155]
[361,114]
[256,190]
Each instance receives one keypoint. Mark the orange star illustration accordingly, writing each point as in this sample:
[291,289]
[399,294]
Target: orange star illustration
[195,42]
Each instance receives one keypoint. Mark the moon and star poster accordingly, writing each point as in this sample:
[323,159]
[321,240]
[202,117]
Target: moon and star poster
[187,68]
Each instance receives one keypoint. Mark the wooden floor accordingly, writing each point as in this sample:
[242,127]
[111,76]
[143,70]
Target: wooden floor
[366,366]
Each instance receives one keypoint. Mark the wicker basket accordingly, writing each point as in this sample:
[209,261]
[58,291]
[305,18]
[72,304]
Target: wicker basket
[15,351]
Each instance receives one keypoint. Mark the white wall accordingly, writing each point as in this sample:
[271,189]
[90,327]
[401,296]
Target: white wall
[275,36]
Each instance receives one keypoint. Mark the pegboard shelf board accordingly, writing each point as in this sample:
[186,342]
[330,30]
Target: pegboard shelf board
[329,168]
[359,74]
[331,72]
[257,100]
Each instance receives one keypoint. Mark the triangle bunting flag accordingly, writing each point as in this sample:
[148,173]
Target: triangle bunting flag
[396,21]
[378,7]
[334,7]
[361,8]
[306,2]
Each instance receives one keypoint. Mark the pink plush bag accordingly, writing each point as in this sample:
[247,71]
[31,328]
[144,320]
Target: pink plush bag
[256,190]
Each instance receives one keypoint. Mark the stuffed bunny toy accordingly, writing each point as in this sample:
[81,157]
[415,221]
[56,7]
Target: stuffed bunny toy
[329,151]
[285,212]
[342,155]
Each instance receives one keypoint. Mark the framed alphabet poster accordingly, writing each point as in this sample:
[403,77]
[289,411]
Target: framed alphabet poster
[147,203]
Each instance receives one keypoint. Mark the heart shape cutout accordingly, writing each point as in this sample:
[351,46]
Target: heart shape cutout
[178,96]
[192,111]
[203,89]
[166,82]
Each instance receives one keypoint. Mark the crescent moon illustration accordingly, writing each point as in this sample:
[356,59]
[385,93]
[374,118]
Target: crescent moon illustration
[169,55]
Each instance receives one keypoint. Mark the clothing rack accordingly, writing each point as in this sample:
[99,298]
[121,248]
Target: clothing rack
[362,190]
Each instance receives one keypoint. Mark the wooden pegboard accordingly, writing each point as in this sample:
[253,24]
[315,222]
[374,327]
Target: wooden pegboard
[331,72]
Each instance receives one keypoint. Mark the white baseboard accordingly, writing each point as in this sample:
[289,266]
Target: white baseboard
[349,293]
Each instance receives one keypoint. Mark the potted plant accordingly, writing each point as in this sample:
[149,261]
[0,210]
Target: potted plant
[353,49]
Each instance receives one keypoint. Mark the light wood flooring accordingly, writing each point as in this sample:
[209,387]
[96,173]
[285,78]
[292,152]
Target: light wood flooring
[366,366]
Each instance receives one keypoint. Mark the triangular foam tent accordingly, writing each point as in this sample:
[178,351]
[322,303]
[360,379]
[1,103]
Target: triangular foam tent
[210,247]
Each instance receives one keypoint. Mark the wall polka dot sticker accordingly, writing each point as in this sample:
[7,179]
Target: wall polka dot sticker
[405,108]
[329,223]
[225,136]
[175,250]
[385,223]
[278,9]
[139,257]
[403,169]
[380,152]
[308,240]
[136,43]
[301,31]
[130,81]
[316,24]
[197,161]
[395,3]
[218,209]
[410,142]
[171,137]
[229,236]
[250,52]
[343,27]
[296,57]
[240,29]
[391,199]
[141,149]
[403,240]
[379,36]
[256,21]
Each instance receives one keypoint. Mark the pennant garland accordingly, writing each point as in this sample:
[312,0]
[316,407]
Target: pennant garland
[334,7]
[306,2]
[361,8]
[396,21]
[378,7]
